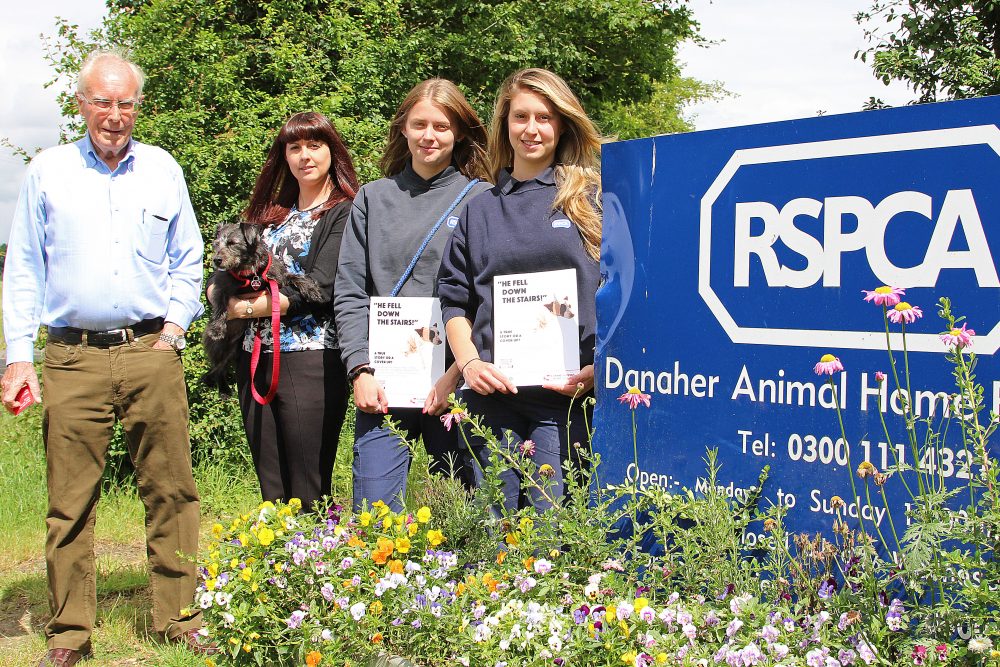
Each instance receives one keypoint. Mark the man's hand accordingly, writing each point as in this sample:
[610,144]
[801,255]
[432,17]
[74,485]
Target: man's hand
[170,329]
[576,385]
[17,375]
[369,396]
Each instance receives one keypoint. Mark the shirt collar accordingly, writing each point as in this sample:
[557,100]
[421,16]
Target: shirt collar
[440,179]
[510,184]
[90,153]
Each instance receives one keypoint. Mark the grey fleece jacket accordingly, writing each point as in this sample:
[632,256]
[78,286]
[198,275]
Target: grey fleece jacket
[388,222]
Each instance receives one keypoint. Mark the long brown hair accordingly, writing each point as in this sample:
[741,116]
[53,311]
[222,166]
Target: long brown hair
[276,190]
[469,154]
[577,160]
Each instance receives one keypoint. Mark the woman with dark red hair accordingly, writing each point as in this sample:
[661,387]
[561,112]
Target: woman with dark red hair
[302,199]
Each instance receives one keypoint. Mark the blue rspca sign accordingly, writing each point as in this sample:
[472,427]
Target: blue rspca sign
[735,258]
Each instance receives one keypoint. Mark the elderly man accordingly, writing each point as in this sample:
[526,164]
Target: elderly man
[105,251]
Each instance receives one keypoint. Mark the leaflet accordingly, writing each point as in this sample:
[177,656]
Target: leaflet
[535,326]
[406,345]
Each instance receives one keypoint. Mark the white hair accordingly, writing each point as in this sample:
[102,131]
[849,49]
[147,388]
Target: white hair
[99,56]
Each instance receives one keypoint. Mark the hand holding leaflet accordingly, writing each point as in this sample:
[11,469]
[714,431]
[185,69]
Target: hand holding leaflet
[25,400]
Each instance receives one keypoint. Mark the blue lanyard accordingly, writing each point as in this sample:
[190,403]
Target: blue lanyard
[430,235]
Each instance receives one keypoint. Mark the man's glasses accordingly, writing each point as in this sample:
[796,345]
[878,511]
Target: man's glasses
[124,106]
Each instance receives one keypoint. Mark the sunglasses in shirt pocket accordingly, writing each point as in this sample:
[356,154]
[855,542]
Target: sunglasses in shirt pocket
[151,238]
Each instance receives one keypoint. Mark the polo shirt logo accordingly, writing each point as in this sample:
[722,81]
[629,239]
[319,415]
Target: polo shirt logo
[561,223]
[452,222]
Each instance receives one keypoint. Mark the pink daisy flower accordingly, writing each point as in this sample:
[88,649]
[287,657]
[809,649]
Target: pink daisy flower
[958,337]
[528,447]
[456,415]
[884,295]
[633,397]
[828,365]
[904,312]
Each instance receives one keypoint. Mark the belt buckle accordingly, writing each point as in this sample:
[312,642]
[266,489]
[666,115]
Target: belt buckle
[121,333]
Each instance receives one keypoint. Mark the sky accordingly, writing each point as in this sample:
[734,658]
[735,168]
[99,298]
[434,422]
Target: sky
[780,59]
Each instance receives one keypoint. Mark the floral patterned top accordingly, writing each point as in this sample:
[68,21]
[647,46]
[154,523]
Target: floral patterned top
[289,243]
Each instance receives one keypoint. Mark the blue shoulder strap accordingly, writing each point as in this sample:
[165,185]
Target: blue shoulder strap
[430,235]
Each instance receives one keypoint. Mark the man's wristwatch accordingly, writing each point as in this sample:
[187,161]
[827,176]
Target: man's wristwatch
[358,372]
[176,342]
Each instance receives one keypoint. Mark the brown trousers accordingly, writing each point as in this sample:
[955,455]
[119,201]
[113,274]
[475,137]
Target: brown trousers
[86,389]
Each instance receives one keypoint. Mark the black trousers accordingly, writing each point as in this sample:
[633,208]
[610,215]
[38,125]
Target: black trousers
[293,439]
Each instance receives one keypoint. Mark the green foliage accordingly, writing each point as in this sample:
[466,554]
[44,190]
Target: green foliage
[943,49]
[223,75]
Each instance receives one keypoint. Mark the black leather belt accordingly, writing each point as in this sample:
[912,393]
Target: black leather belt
[74,336]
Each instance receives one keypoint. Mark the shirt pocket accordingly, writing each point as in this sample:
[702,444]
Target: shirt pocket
[151,236]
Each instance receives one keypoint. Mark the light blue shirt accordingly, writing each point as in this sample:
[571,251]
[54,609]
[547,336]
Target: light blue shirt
[99,249]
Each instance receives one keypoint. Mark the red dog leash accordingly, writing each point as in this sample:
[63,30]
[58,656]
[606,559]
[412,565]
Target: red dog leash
[254,283]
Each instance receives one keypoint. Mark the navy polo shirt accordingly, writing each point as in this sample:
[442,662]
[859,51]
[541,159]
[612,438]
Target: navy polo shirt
[513,228]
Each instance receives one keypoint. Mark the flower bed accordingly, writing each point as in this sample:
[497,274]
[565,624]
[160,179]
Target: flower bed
[453,583]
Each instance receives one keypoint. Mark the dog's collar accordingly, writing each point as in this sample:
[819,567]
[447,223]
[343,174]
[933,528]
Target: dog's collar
[252,279]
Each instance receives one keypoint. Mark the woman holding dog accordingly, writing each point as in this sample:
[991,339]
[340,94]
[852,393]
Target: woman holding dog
[398,229]
[543,215]
[302,199]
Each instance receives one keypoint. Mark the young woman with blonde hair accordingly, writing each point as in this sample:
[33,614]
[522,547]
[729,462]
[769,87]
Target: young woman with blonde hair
[543,215]
[393,247]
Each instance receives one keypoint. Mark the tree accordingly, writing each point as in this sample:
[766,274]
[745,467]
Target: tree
[943,49]
[223,75]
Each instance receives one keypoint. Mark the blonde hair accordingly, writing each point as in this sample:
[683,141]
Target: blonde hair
[577,160]
[469,154]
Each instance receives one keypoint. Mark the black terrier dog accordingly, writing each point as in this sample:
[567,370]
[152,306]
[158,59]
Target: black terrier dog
[244,266]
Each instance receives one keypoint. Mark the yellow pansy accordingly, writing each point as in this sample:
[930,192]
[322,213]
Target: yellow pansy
[246,573]
[435,537]
[640,604]
[213,570]
[295,504]
[210,584]
[424,514]
[412,529]
[217,530]
[265,536]
[402,545]
[365,518]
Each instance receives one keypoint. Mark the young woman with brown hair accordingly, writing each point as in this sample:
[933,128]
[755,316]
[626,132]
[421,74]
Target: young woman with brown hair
[393,247]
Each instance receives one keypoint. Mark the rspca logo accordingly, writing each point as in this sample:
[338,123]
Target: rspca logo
[452,222]
[782,225]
